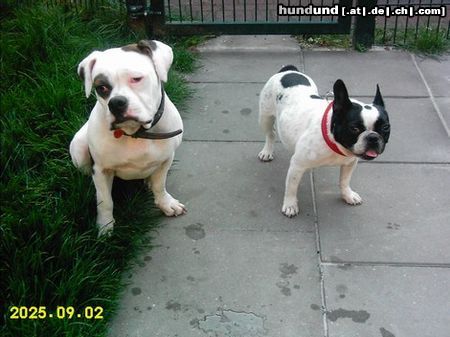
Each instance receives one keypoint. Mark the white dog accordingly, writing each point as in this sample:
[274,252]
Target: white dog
[318,132]
[133,129]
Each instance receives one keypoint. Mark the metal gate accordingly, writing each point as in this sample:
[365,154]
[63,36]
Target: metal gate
[191,17]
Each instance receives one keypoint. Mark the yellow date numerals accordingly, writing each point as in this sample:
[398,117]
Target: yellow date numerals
[61,312]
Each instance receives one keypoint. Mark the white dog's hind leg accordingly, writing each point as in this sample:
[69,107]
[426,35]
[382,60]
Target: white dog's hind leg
[103,180]
[293,178]
[157,182]
[267,118]
[79,151]
[350,196]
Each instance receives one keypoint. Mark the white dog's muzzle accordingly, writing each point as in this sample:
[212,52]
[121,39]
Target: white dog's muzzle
[142,132]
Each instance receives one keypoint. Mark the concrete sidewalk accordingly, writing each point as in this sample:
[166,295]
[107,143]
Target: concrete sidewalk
[234,266]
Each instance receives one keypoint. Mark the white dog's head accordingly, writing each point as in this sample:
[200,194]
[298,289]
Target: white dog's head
[127,81]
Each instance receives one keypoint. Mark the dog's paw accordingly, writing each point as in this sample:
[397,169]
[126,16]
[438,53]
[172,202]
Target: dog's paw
[171,207]
[265,155]
[105,229]
[352,198]
[290,209]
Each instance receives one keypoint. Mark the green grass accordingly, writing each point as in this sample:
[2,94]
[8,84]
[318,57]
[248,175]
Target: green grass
[428,41]
[326,41]
[50,253]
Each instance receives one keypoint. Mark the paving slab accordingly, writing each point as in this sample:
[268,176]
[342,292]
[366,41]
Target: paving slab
[224,117]
[395,72]
[223,283]
[436,71]
[403,218]
[387,302]
[251,43]
[242,66]
[224,185]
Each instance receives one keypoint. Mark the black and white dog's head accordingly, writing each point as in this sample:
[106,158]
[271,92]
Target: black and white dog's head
[127,81]
[361,128]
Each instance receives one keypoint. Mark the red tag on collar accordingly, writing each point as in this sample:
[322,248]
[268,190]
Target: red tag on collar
[118,133]
[325,135]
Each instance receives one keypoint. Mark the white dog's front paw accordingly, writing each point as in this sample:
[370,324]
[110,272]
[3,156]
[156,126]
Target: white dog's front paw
[171,206]
[352,198]
[265,155]
[290,209]
[105,227]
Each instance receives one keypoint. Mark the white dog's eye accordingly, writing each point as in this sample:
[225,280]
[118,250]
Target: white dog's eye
[136,79]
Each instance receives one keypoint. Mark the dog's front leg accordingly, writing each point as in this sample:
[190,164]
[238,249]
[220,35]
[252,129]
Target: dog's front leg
[103,180]
[157,181]
[350,196]
[293,178]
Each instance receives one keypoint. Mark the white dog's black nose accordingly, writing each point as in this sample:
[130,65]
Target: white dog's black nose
[118,105]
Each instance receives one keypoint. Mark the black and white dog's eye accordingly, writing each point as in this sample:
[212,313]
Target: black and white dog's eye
[354,129]
[386,127]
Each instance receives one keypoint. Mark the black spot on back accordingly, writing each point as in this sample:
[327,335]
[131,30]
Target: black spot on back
[288,67]
[315,97]
[293,79]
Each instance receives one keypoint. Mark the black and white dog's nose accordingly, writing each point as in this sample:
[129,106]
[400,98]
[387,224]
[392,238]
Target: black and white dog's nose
[372,138]
[118,105]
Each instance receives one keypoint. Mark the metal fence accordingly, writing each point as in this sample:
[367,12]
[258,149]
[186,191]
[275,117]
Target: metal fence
[181,14]
[403,29]
[182,17]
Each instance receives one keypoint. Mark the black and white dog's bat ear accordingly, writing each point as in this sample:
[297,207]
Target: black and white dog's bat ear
[85,71]
[160,53]
[341,99]
[378,100]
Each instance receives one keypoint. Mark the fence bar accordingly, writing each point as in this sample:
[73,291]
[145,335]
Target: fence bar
[169,12]
[201,10]
[267,10]
[245,10]
[223,10]
[179,10]
[406,25]
[417,24]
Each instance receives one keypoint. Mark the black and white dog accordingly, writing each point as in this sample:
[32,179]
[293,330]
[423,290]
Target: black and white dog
[319,132]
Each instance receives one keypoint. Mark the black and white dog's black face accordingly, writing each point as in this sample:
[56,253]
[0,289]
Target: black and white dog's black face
[361,128]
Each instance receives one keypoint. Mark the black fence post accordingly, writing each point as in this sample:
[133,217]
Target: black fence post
[156,18]
[137,12]
[364,30]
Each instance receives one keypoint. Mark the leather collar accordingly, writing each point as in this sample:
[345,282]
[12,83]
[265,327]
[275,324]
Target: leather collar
[144,133]
[325,133]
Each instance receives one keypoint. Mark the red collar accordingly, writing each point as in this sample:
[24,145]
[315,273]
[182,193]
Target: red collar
[332,145]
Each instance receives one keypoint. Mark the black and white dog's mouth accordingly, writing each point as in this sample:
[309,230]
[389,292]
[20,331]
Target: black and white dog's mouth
[371,154]
[130,122]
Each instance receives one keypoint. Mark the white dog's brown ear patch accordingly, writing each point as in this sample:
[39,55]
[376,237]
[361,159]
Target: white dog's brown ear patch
[85,71]
[160,53]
